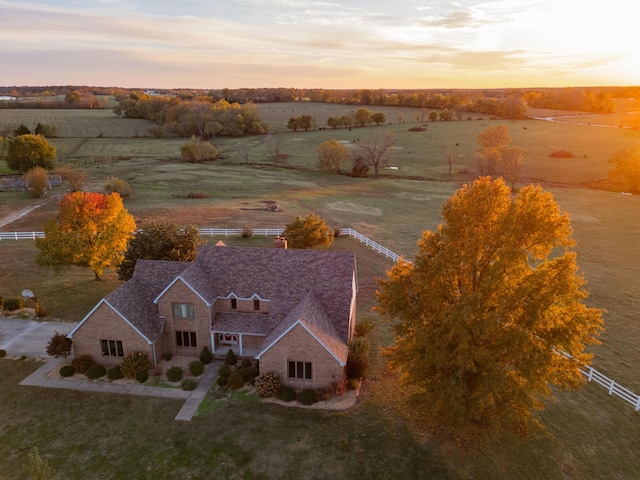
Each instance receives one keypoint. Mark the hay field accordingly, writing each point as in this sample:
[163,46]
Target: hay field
[85,123]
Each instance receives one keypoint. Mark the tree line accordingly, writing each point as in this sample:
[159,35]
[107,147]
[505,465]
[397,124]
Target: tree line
[508,103]
[201,116]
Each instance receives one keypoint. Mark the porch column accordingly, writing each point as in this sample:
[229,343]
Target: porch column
[213,343]
[240,344]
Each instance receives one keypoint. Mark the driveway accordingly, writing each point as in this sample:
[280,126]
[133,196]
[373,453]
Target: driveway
[28,337]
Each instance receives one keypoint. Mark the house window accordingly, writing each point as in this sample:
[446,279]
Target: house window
[234,304]
[256,304]
[183,310]
[112,348]
[300,370]
[186,339]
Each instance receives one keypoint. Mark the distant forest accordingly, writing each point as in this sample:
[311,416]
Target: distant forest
[508,103]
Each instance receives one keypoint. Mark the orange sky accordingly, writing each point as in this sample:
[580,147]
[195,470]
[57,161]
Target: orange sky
[316,43]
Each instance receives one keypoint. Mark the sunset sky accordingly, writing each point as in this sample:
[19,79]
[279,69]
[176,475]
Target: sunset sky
[317,43]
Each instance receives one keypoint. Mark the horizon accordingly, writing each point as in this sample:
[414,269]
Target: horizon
[332,45]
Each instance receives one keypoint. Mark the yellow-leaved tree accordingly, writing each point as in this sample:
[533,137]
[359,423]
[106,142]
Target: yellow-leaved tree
[92,230]
[492,297]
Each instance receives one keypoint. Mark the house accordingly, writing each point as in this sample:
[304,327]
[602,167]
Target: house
[293,310]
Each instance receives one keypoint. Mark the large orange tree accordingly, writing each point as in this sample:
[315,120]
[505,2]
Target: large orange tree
[484,309]
[92,230]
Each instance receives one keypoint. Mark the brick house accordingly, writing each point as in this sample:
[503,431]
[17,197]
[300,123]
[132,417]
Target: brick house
[293,310]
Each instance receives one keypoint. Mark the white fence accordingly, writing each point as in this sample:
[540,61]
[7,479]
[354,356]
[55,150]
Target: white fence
[21,235]
[592,374]
[614,388]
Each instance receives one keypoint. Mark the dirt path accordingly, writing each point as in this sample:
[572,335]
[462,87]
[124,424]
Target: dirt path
[18,214]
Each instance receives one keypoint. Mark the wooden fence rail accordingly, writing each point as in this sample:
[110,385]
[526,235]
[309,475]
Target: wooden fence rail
[592,374]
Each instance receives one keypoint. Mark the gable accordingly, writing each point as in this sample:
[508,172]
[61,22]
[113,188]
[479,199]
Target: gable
[95,316]
[338,354]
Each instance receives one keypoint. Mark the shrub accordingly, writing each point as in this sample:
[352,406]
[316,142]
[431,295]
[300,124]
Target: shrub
[352,383]
[245,363]
[59,345]
[67,371]
[196,368]
[114,373]
[358,360]
[82,363]
[222,381]
[189,384]
[230,359]
[41,312]
[562,154]
[174,374]
[13,303]
[307,397]
[142,376]
[167,356]
[336,389]
[364,328]
[197,151]
[247,232]
[237,379]
[1,303]
[268,385]
[205,356]
[224,371]
[135,363]
[119,186]
[3,353]
[36,179]
[96,371]
[287,394]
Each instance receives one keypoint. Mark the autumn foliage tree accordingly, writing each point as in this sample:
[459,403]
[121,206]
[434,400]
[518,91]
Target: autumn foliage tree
[496,157]
[626,169]
[92,231]
[491,298]
[29,151]
[160,240]
[332,155]
[308,232]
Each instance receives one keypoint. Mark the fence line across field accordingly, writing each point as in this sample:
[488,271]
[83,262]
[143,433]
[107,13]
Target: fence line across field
[590,373]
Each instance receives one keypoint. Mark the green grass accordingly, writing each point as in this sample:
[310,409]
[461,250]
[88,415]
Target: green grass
[76,123]
[594,435]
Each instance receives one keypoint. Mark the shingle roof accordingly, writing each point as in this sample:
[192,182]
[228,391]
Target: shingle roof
[284,276]
[134,299]
[311,313]
[310,285]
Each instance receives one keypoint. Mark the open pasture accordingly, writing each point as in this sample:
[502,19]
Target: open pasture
[86,123]
[593,435]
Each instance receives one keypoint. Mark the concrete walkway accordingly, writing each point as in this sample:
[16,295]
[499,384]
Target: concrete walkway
[186,413]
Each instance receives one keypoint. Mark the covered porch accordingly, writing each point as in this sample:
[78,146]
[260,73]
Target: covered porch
[242,344]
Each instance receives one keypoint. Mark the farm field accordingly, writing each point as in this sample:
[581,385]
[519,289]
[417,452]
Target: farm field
[593,435]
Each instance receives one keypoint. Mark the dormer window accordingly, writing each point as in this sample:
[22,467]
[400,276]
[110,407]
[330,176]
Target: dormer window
[256,304]
[234,304]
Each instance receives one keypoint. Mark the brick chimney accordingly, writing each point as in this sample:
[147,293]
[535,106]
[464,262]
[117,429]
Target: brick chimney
[280,242]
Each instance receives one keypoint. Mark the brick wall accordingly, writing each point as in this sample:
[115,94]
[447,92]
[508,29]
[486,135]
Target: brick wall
[105,324]
[299,346]
[181,293]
